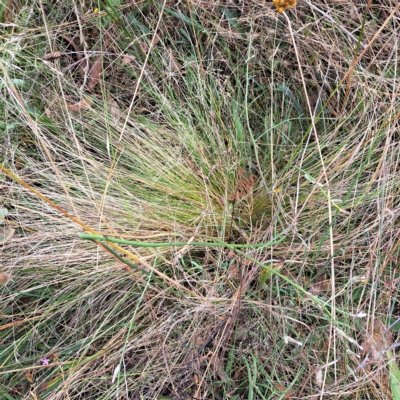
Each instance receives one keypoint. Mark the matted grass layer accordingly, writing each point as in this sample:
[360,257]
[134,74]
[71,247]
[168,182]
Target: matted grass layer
[251,161]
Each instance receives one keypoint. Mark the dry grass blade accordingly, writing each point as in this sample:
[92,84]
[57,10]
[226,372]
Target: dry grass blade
[18,322]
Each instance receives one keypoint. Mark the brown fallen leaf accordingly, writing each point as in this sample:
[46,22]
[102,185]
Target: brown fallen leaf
[218,367]
[82,105]
[376,341]
[52,56]
[189,163]
[29,375]
[127,59]
[235,271]
[231,255]
[114,108]
[280,387]
[144,46]
[82,62]
[4,278]
[95,72]
[320,285]
[375,346]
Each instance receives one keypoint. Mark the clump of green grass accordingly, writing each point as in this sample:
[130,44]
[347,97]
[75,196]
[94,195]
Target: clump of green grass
[258,229]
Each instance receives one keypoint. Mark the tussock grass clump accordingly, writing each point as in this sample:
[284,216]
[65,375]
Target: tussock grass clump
[198,200]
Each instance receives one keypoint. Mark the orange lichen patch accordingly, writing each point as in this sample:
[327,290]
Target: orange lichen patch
[282,5]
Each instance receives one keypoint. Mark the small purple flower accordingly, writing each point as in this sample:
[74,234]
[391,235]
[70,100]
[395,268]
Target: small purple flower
[44,361]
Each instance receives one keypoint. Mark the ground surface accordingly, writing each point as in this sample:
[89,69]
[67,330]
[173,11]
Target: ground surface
[247,161]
